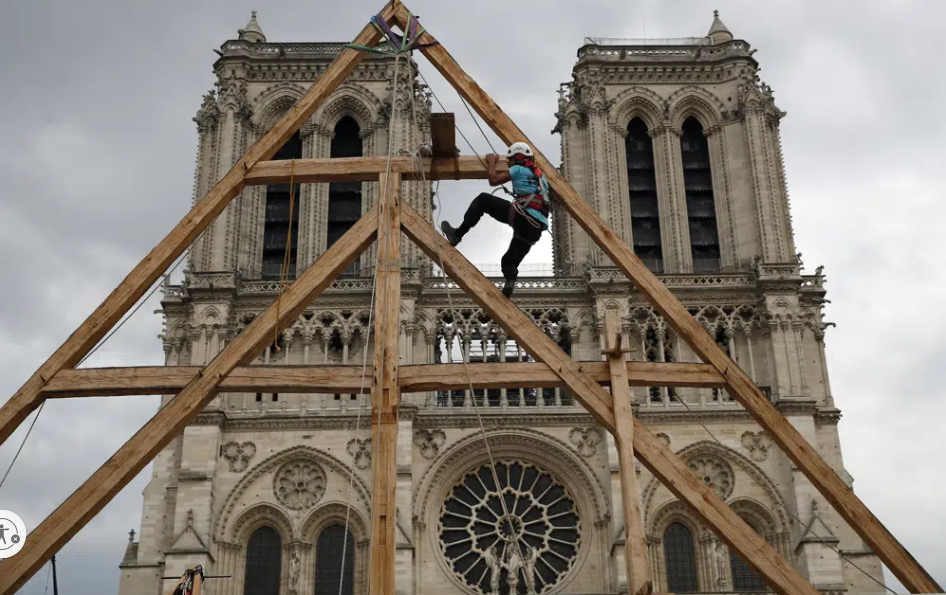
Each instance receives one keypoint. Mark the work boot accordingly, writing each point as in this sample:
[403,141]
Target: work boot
[509,287]
[450,232]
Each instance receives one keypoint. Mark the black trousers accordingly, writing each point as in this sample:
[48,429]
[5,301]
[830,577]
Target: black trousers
[524,233]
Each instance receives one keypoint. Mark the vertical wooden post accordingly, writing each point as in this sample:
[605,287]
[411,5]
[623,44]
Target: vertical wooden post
[635,549]
[385,392]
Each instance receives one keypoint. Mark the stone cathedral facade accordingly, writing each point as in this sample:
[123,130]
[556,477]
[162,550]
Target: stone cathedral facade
[676,144]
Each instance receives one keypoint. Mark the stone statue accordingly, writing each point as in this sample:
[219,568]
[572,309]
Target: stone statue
[491,557]
[294,569]
[719,556]
[532,557]
[513,565]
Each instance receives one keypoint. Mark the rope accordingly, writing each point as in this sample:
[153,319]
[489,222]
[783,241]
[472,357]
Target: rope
[835,550]
[418,165]
[364,367]
[96,348]
[286,263]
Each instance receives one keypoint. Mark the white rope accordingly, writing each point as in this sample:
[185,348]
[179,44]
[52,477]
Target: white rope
[374,285]
[419,166]
[127,317]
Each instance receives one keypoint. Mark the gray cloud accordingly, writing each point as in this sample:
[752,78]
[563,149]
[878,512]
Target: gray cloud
[96,166]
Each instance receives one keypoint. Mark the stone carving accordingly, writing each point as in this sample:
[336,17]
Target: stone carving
[586,440]
[490,556]
[513,566]
[430,442]
[721,560]
[238,455]
[542,528]
[715,473]
[299,485]
[664,439]
[294,569]
[758,445]
[360,451]
[532,556]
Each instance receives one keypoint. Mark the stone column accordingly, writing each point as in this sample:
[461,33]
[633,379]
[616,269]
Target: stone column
[722,198]
[671,199]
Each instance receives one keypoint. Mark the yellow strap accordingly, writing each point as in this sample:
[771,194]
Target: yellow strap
[284,271]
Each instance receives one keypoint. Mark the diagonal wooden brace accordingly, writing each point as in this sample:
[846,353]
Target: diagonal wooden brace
[144,275]
[134,455]
[741,387]
[663,463]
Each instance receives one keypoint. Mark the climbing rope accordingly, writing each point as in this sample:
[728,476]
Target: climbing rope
[419,166]
[118,327]
[364,367]
[713,436]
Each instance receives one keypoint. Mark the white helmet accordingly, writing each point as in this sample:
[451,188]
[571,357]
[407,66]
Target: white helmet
[519,148]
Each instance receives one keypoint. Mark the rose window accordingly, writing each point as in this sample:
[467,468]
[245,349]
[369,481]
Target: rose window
[299,485]
[528,550]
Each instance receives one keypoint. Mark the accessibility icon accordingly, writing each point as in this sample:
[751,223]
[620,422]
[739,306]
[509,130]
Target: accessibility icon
[12,534]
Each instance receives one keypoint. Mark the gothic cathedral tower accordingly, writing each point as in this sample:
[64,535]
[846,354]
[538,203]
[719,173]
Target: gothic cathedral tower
[676,144]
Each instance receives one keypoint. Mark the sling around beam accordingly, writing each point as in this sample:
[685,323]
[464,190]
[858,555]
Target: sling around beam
[793,444]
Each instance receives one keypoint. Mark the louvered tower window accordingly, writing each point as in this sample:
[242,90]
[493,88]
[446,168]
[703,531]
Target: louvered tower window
[344,198]
[642,191]
[278,221]
[681,559]
[328,562]
[263,563]
[744,578]
[701,208]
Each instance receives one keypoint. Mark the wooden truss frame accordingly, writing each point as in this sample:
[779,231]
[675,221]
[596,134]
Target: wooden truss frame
[196,387]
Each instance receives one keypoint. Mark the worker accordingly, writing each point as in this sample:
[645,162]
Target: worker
[527,214]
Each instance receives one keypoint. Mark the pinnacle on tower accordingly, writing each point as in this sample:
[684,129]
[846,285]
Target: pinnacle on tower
[252,33]
[718,32]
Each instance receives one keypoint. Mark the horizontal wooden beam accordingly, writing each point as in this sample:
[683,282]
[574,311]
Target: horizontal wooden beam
[160,380]
[366,169]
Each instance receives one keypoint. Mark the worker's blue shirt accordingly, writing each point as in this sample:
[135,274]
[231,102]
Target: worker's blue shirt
[524,182]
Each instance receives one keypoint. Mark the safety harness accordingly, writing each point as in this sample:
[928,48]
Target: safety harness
[535,206]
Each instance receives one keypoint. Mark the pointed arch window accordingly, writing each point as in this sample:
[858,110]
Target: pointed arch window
[744,578]
[344,198]
[328,562]
[279,222]
[263,562]
[680,557]
[642,193]
[701,206]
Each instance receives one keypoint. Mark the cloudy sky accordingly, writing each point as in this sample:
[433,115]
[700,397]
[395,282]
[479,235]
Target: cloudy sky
[96,165]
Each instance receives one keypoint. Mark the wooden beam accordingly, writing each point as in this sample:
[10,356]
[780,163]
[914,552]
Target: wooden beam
[539,375]
[144,275]
[635,547]
[665,465]
[822,476]
[385,394]
[366,169]
[443,135]
[170,420]
[162,380]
